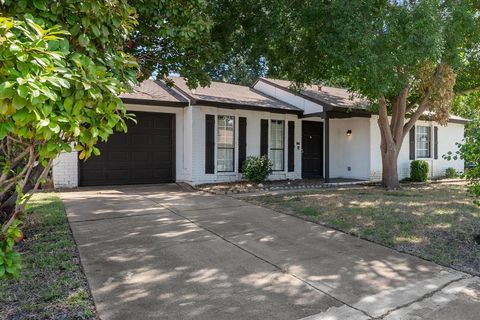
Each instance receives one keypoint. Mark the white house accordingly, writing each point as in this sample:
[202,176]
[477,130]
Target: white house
[204,135]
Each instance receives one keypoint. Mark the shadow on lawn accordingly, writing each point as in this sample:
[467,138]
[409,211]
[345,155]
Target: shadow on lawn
[436,223]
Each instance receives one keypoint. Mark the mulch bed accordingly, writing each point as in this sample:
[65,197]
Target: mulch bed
[248,187]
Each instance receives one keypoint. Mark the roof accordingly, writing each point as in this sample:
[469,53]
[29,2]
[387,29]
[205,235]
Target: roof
[153,92]
[427,116]
[334,97]
[225,95]
[456,119]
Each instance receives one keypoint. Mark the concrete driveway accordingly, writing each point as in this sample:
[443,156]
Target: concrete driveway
[165,252]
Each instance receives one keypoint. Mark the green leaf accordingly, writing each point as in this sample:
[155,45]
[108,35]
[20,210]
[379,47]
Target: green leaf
[76,131]
[40,4]
[43,123]
[6,107]
[83,40]
[78,107]
[54,127]
[67,104]
[5,128]
[19,102]
[23,91]
[96,30]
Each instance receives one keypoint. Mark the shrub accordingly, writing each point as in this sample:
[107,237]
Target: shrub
[451,173]
[419,170]
[257,169]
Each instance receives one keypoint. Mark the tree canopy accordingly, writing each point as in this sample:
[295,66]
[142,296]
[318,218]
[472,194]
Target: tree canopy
[62,68]
[174,37]
[406,57]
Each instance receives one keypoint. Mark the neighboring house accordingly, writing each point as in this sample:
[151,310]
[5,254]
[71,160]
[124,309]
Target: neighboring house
[204,135]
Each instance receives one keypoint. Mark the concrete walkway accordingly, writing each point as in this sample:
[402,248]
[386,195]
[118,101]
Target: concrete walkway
[163,252]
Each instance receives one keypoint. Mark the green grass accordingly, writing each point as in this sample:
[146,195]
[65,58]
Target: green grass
[437,222]
[52,284]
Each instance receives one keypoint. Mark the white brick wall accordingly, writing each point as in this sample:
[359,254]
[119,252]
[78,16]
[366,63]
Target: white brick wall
[65,170]
[350,152]
[448,136]
[253,143]
[361,151]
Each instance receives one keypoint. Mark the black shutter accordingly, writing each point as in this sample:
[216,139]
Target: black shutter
[209,143]
[291,146]
[435,142]
[242,142]
[264,137]
[412,143]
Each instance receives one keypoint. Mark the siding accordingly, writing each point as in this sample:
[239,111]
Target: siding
[448,136]
[252,148]
[361,151]
[350,151]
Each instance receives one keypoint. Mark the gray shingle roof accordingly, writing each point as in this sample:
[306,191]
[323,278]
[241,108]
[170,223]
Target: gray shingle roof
[335,97]
[153,92]
[225,94]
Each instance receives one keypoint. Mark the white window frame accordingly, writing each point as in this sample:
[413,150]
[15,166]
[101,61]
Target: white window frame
[232,147]
[418,136]
[271,148]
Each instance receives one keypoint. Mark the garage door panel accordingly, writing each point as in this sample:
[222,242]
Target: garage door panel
[115,141]
[143,142]
[118,156]
[159,173]
[143,158]
[142,155]
[161,124]
[142,173]
[146,124]
[159,140]
[120,173]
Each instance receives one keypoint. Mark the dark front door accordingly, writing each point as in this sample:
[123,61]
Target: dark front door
[145,154]
[312,144]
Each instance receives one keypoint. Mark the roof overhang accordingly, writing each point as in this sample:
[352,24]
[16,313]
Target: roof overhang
[459,121]
[231,105]
[339,113]
[160,103]
[425,117]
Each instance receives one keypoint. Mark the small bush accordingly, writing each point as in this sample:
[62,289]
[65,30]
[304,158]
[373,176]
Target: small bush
[419,170]
[257,169]
[451,173]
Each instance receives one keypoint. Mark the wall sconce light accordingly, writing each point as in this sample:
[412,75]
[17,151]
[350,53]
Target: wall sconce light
[349,133]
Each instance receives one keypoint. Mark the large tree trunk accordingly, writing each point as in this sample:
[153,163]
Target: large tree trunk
[390,170]
[392,135]
[393,132]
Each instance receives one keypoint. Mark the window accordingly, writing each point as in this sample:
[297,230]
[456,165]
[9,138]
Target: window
[226,144]
[277,144]
[423,141]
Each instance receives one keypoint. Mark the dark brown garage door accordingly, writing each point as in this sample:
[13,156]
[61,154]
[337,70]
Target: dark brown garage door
[145,154]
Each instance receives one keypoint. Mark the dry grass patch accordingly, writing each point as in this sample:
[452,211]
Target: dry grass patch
[437,222]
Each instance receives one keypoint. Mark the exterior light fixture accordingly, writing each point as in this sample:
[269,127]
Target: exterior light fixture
[349,133]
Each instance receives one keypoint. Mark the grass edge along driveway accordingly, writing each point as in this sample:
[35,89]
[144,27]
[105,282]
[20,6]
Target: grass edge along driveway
[52,284]
[437,222]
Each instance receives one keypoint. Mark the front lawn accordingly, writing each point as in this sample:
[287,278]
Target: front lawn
[437,222]
[52,284]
